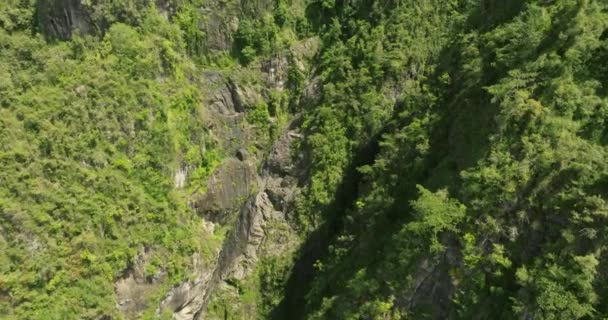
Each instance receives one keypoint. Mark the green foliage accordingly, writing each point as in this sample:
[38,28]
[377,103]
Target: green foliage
[15,15]
[266,127]
[90,140]
[557,291]
[256,37]
[267,34]
[189,20]
[498,107]
[435,213]
[499,103]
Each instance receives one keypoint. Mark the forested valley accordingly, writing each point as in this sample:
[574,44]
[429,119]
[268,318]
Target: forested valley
[303,159]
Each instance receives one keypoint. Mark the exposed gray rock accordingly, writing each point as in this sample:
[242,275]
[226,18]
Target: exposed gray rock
[219,26]
[134,288]
[240,251]
[256,230]
[188,298]
[281,192]
[242,154]
[231,181]
[227,97]
[243,96]
[431,283]
[221,20]
[261,228]
[220,94]
[281,162]
[214,77]
[165,8]
[276,70]
[312,92]
[223,103]
[60,18]
[238,99]
[250,235]
[303,53]
[283,169]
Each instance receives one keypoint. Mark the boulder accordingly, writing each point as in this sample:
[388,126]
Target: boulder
[242,154]
[228,186]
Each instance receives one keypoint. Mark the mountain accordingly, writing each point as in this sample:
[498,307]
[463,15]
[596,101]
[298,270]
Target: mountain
[291,159]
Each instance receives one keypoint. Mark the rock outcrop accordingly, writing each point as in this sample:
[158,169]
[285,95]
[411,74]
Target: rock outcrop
[261,192]
[232,180]
[269,207]
[134,288]
[187,299]
[59,19]
[225,106]
[226,97]
[277,185]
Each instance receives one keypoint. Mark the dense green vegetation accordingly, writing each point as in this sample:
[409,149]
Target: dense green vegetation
[456,156]
[499,107]
[91,134]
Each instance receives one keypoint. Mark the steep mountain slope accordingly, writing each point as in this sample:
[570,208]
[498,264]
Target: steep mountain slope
[246,159]
[486,195]
[119,151]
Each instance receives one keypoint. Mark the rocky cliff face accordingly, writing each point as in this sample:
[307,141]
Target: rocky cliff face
[261,226]
[61,18]
[219,20]
[251,193]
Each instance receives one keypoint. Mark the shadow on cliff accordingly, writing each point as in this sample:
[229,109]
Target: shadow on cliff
[316,245]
